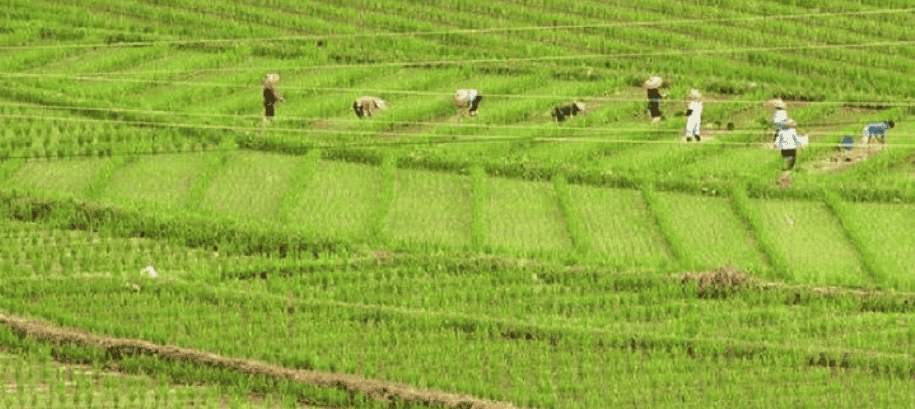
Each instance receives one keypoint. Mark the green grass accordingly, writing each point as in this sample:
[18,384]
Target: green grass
[885,232]
[712,234]
[813,243]
[164,180]
[251,186]
[431,208]
[341,201]
[72,176]
[620,227]
[523,216]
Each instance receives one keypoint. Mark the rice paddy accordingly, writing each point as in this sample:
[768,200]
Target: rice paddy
[422,258]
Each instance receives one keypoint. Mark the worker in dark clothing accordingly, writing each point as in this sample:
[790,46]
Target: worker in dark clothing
[271,96]
[653,86]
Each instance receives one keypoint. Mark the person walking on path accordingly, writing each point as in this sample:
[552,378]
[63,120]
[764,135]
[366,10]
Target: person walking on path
[653,87]
[787,140]
[271,96]
[694,116]
[874,130]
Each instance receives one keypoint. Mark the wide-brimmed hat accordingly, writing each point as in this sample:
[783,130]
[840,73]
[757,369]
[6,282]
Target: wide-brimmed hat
[777,103]
[653,82]
[580,105]
[273,77]
[695,95]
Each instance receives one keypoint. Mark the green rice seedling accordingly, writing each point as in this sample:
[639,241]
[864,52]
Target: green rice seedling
[662,215]
[251,185]
[341,201]
[379,226]
[570,212]
[68,176]
[767,243]
[477,213]
[430,207]
[303,177]
[813,242]
[535,225]
[166,180]
[215,163]
[711,232]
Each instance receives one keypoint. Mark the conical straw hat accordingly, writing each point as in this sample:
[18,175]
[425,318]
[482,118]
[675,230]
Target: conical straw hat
[694,94]
[653,82]
[273,77]
[777,103]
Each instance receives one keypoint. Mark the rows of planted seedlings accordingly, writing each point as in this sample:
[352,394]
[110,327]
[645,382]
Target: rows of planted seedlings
[405,344]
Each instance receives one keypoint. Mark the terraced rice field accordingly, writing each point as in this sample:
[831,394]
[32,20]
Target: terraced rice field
[158,235]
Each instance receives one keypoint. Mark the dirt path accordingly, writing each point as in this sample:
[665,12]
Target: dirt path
[380,390]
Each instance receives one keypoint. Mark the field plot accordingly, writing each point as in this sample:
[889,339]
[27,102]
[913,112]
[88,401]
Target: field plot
[252,185]
[712,233]
[431,207]
[71,176]
[620,226]
[162,179]
[524,216]
[341,201]
[888,233]
[813,242]
[41,382]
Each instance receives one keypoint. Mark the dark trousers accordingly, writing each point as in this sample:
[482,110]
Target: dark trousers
[268,110]
[790,155]
[475,103]
[654,107]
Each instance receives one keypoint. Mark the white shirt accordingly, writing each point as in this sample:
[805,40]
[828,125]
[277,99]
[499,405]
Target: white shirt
[468,94]
[696,107]
[787,139]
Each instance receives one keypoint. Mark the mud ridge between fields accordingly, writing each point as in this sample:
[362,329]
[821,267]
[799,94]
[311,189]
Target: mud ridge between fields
[379,390]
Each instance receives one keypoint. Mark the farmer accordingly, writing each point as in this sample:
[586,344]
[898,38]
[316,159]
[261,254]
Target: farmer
[467,99]
[560,113]
[693,115]
[780,115]
[653,86]
[368,106]
[787,140]
[271,96]
[877,129]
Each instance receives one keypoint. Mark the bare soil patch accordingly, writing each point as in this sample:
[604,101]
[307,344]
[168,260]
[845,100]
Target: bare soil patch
[380,390]
[784,181]
[840,161]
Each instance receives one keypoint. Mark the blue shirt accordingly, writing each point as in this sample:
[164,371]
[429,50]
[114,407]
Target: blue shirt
[876,128]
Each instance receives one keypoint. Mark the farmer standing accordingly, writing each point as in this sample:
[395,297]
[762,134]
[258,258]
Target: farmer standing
[271,96]
[694,116]
[653,86]
[787,140]
[877,129]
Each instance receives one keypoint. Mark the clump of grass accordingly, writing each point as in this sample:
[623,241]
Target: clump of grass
[719,283]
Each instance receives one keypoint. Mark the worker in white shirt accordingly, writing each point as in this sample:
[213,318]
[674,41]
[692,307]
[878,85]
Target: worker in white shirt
[693,115]
[787,140]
